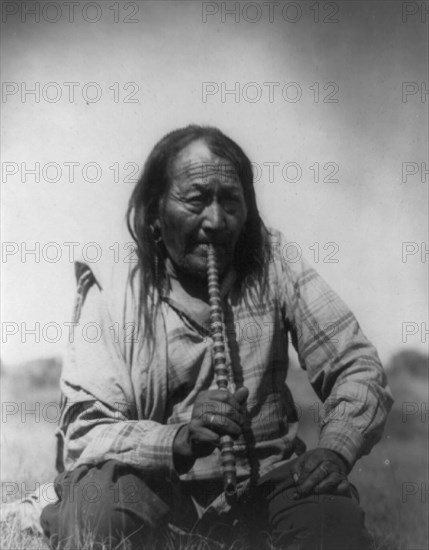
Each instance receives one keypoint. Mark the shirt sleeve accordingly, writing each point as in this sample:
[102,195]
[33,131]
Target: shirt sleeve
[98,413]
[342,365]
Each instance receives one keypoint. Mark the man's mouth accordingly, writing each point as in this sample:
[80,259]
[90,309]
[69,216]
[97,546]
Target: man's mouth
[217,246]
[201,250]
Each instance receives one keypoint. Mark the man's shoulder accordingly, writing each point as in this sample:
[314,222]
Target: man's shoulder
[114,280]
[278,243]
[105,273]
[286,256]
[275,236]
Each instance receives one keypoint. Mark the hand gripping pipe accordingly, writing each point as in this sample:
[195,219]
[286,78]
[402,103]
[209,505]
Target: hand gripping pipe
[220,369]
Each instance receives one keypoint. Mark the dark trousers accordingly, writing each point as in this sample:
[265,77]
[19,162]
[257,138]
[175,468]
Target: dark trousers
[113,505]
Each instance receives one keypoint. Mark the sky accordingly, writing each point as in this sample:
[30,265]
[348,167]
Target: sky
[328,100]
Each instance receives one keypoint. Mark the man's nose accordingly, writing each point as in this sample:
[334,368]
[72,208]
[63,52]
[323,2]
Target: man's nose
[214,218]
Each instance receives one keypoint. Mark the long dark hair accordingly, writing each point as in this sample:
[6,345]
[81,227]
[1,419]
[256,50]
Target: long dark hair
[251,253]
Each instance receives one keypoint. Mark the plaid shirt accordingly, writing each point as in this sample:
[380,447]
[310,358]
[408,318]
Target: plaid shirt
[121,402]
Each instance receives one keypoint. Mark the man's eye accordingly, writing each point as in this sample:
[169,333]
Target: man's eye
[231,201]
[195,201]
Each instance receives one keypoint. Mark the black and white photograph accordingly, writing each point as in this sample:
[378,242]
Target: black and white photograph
[214,275]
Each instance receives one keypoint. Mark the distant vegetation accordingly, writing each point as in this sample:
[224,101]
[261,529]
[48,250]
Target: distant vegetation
[38,373]
[413,362]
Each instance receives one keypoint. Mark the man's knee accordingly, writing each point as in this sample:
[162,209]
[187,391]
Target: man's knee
[109,513]
[330,522]
[341,524]
[106,503]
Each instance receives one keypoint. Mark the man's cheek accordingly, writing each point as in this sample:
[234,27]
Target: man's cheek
[171,234]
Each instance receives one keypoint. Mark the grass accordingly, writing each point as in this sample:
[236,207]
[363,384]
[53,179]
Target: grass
[392,480]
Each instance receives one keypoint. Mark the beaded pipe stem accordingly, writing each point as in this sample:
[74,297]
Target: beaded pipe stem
[220,368]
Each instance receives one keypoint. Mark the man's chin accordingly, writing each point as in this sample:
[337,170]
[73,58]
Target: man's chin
[193,269]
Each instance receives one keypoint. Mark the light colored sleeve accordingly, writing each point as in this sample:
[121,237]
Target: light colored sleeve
[99,419]
[342,365]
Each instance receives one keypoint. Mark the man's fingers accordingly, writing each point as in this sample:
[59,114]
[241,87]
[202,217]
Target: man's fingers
[216,395]
[203,441]
[205,411]
[223,425]
[206,435]
[321,481]
[301,469]
[308,464]
[216,413]
[333,483]
[241,395]
[235,400]
[343,487]
[319,471]
[307,483]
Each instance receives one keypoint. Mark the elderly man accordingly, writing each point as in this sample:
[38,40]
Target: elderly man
[142,416]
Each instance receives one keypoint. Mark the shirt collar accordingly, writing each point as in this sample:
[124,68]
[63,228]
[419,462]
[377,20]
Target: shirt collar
[195,309]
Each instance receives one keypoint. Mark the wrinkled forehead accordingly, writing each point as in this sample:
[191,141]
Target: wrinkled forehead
[197,161]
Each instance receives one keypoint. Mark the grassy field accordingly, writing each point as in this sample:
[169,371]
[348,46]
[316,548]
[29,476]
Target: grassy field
[392,481]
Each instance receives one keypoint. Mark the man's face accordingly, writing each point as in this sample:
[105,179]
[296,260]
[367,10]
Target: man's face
[203,204]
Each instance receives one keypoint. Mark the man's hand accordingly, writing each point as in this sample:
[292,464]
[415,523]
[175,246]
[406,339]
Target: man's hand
[320,471]
[215,413]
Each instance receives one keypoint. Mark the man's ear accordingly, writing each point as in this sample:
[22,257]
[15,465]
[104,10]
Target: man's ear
[156,230]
